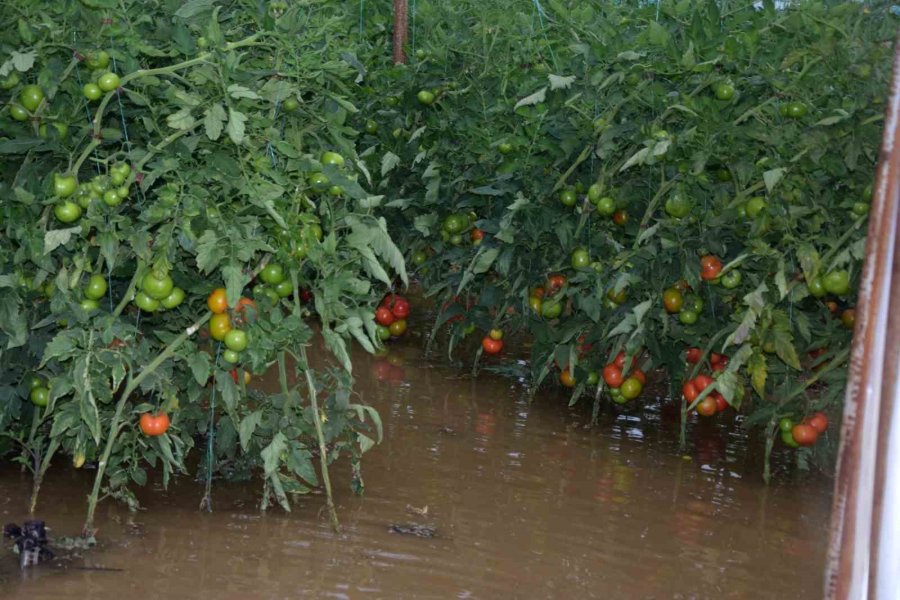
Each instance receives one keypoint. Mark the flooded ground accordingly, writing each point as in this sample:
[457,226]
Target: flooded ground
[527,501]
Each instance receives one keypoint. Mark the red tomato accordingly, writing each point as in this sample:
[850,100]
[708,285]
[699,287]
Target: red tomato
[693,355]
[710,267]
[707,406]
[701,382]
[715,357]
[537,292]
[804,435]
[689,391]
[476,235]
[400,308]
[384,316]
[556,282]
[721,403]
[491,346]
[639,375]
[818,421]
[154,425]
[612,375]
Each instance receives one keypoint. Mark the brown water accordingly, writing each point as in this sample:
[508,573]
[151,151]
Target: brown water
[527,502]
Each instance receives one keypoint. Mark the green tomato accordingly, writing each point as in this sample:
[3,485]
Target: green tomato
[568,197]
[383,333]
[788,438]
[860,208]
[731,279]
[18,113]
[678,205]
[724,91]
[40,396]
[594,193]
[581,259]
[816,288]
[456,239]
[89,305]
[231,356]
[236,340]
[333,158]
[837,282]
[10,81]
[273,274]
[505,148]
[97,60]
[263,290]
[419,257]
[95,288]
[109,81]
[455,223]
[796,110]
[755,206]
[551,309]
[425,97]
[291,104]
[318,182]
[157,286]
[688,317]
[145,302]
[112,198]
[67,212]
[786,424]
[284,289]
[371,127]
[606,206]
[174,299]
[64,185]
[92,91]
[31,97]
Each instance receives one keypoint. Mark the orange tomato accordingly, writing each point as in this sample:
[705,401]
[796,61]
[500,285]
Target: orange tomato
[217,302]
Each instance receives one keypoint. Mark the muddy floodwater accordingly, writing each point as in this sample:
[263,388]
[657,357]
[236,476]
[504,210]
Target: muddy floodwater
[526,502]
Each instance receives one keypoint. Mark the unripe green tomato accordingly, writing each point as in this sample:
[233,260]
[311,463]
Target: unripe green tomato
[231,356]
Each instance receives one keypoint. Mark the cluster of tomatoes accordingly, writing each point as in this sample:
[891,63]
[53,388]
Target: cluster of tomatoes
[391,316]
[102,81]
[492,343]
[678,300]
[805,433]
[543,298]
[624,385]
[605,205]
[275,285]
[456,225]
[74,198]
[223,329]
[691,390]
[158,292]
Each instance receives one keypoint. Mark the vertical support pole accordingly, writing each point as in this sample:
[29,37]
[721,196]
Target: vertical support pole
[401,30]
[865,519]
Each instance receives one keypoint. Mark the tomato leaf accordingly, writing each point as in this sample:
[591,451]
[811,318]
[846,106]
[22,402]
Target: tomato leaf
[235,127]
[247,427]
[214,121]
[535,98]
[558,82]
[271,454]
[54,238]
[388,162]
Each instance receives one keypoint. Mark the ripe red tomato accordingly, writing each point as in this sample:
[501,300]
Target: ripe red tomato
[804,435]
[620,217]
[721,403]
[818,421]
[476,235]
[491,346]
[701,382]
[639,375]
[384,316]
[689,391]
[537,292]
[400,308]
[707,407]
[693,355]
[710,267]
[154,425]
[217,302]
[556,282]
[612,375]
[715,357]
[234,376]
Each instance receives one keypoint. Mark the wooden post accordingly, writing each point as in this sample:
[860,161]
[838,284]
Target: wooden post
[401,30]
[864,550]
